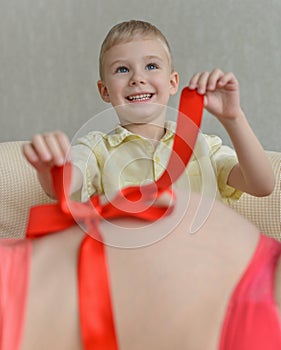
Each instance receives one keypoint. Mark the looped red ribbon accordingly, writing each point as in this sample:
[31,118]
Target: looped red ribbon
[96,318]
[130,201]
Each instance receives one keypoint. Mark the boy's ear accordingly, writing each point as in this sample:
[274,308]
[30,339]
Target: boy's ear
[103,91]
[174,83]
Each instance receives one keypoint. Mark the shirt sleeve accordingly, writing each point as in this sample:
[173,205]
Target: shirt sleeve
[224,159]
[84,159]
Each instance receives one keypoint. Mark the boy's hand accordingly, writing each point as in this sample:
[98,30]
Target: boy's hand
[46,150]
[222,98]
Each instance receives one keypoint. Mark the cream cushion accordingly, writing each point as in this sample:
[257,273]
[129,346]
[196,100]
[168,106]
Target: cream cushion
[20,189]
[265,212]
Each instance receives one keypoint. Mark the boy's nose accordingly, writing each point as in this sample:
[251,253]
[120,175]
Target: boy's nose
[136,79]
[136,82]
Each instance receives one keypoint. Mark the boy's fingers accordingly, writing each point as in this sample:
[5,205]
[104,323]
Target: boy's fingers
[51,148]
[214,79]
[64,144]
[46,150]
[41,148]
[202,82]
[210,81]
[228,78]
[193,81]
[30,153]
[199,81]
[32,157]
[55,146]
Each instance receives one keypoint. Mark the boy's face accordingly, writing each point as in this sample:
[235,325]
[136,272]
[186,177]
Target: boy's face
[137,76]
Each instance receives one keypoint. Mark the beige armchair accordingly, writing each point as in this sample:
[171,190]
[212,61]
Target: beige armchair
[19,190]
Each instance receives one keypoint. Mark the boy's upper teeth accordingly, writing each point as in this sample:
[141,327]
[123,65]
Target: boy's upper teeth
[140,97]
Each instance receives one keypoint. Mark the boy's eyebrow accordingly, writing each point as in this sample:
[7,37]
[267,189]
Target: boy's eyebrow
[124,60]
[119,60]
[153,57]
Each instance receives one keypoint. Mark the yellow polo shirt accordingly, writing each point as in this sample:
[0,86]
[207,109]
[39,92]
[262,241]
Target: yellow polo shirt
[109,162]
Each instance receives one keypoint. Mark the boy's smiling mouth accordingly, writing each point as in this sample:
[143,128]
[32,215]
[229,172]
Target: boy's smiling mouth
[140,97]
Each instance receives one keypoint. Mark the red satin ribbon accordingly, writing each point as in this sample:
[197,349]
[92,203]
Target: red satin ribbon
[96,319]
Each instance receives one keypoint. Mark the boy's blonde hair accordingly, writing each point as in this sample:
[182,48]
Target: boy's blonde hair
[127,31]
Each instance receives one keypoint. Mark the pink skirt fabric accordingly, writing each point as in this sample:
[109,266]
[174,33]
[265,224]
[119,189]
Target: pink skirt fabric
[14,277]
[252,319]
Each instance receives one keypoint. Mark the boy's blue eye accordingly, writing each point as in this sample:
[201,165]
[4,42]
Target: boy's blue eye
[122,70]
[151,66]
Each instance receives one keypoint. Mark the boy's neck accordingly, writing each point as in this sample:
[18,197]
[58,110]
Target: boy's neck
[153,133]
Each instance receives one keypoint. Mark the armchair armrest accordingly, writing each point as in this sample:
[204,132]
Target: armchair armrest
[19,190]
[264,212]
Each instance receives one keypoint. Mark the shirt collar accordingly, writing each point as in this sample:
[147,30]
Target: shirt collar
[120,134]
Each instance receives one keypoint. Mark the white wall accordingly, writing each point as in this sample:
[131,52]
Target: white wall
[49,57]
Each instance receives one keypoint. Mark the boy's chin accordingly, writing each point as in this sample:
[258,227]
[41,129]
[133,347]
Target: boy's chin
[140,113]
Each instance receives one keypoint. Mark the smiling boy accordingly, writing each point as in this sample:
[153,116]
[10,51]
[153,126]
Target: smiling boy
[137,78]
